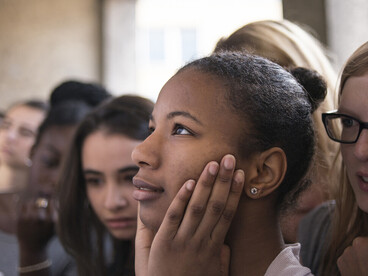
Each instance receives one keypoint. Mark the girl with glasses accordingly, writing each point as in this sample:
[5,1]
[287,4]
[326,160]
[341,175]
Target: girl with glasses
[340,246]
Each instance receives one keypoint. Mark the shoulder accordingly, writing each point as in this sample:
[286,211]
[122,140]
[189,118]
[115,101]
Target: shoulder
[313,233]
[287,263]
[62,262]
[316,223]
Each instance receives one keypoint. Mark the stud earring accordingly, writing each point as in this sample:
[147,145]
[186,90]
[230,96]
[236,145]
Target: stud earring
[253,191]
[28,162]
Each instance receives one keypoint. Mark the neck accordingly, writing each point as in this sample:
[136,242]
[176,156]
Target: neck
[12,179]
[255,237]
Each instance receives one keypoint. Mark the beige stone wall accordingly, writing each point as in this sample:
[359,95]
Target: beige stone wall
[43,42]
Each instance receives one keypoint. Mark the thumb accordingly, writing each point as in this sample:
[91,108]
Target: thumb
[225,260]
[143,242]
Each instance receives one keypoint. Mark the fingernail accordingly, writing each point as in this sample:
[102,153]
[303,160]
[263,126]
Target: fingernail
[239,176]
[229,163]
[213,168]
[190,185]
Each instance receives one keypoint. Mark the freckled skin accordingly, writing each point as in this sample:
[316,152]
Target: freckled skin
[168,157]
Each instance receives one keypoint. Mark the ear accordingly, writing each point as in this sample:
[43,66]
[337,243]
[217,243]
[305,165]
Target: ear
[267,171]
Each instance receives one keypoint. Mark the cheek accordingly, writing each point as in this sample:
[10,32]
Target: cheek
[188,167]
[94,198]
[24,146]
[347,155]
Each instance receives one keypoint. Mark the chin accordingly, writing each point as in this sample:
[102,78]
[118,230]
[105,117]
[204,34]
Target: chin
[124,235]
[150,221]
[363,205]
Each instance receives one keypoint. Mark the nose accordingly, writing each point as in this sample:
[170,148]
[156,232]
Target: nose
[11,134]
[361,146]
[145,155]
[114,198]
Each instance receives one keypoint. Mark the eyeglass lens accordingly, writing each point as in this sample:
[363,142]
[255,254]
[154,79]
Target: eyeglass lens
[348,128]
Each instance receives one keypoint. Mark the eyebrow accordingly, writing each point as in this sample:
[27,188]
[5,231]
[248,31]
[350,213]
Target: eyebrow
[121,170]
[184,114]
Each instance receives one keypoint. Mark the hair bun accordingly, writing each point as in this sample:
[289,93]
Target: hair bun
[91,94]
[313,84]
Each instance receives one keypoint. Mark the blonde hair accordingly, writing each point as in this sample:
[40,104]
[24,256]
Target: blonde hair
[291,46]
[349,221]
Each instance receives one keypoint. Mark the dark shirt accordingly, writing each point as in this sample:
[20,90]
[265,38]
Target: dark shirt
[314,235]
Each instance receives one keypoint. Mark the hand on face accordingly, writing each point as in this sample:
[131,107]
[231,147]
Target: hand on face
[187,133]
[36,223]
[354,259]
[194,232]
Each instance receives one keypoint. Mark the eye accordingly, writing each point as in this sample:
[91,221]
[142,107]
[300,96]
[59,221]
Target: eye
[26,132]
[126,178]
[93,181]
[348,122]
[5,124]
[181,130]
[151,129]
[50,162]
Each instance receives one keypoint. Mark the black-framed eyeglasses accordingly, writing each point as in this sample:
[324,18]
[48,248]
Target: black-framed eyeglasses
[342,128]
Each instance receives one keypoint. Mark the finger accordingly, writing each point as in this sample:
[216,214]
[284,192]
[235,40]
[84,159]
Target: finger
[52,212]
[175,212]
[197,204]
[218,198]
[225,260]
[143,242]
[223,225]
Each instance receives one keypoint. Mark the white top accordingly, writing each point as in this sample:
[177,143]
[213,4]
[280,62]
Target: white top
[287,263]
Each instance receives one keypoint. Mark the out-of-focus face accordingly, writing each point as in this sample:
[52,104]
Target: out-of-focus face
[108,172]
[17,134]
[191,126]
[354,102]
[48,156]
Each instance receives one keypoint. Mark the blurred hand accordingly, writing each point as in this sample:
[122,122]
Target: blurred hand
[354,260]
[36,222]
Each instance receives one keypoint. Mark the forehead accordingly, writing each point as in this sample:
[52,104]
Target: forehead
[195,90]
[101,149]
[354,95]
[25,115]
[57,138]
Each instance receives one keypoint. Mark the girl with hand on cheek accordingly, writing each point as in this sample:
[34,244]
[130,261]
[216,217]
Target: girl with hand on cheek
[96,186]
[253,120]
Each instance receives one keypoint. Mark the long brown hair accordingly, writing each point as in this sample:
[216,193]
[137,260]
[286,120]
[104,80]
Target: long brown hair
[349,221]
[80,231]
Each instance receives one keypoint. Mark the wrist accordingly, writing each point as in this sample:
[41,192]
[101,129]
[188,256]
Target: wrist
[29,256]
[35,267]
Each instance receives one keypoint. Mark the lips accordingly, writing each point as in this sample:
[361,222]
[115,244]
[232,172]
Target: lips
[145,191]
[121,223]
[363,181]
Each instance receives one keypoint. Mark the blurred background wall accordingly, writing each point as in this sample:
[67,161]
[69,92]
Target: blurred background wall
[134,46]
[44,41]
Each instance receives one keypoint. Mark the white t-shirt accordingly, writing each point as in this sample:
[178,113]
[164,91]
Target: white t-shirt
[287,263]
